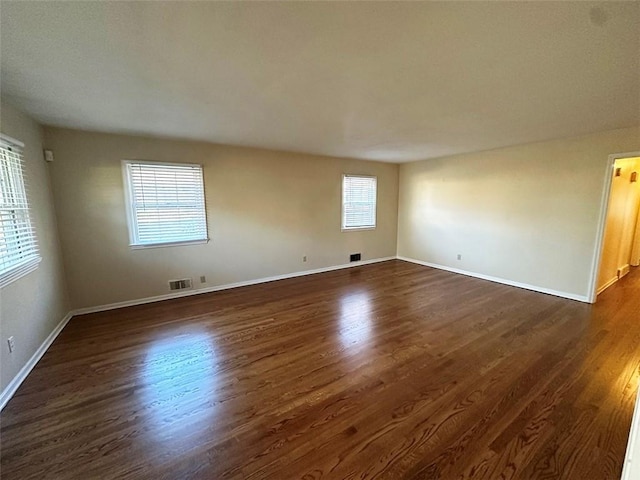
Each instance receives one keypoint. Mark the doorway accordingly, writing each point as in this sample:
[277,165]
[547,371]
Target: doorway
[620,246]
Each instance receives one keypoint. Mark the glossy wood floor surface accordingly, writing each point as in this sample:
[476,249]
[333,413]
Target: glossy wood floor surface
[391,370]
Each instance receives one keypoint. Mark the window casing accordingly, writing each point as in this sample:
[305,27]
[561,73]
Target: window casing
[18,243]
[359,195]
[165,203]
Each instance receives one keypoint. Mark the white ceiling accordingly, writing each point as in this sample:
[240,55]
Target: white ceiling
[380,81]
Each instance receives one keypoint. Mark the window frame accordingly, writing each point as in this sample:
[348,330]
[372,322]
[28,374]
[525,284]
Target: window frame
[342,211]
[132,220]
[25,267]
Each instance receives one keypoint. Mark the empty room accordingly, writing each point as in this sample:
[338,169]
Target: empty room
[319,240]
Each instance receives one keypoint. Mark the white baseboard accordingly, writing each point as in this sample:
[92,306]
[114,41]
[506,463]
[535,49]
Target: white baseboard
[169,296]
[607,285]
[13,385]
[630,470]
[631,465]
[8,392]
[548,291]
[11,388]
[624,270]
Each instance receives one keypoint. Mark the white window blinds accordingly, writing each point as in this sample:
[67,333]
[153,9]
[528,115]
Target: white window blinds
[358,202]
[166,203]
[18,244]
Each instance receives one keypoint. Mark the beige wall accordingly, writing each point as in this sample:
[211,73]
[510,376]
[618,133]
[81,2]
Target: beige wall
[265,210]
[635,251]
[528,214]
[621,221]
[32,306]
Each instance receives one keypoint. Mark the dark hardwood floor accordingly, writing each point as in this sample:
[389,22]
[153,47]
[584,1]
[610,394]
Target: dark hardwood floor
[391,370]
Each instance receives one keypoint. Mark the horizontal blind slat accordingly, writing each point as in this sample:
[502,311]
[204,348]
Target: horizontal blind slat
[167,203]
[359,201]
[18,242]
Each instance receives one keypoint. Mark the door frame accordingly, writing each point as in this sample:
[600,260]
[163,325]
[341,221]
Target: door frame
[602,221]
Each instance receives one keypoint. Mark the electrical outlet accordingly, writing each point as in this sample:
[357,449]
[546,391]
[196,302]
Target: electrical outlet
[12,344]
[203,279]
[459,257]
[304,258]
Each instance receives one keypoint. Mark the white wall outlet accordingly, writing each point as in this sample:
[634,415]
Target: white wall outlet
[459,257]
[12,344]
[203,279]
[304,258]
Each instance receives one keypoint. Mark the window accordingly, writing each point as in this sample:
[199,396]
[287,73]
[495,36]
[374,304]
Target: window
[358,202]
[18,245]
[165,203]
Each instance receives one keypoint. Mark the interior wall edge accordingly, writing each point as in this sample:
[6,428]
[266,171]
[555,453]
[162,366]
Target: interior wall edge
[596,260]
[607,285]
[31,306]
[22,374]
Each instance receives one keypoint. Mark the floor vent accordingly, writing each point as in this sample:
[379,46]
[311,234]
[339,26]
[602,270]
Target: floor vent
[180,284]
[355,257]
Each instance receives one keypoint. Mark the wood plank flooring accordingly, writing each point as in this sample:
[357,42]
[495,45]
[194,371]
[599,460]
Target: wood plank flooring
[391,370]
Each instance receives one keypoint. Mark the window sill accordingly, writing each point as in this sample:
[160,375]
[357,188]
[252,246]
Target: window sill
[357,229]
[19,271]
[168,244]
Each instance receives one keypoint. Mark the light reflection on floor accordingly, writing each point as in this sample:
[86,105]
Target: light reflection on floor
[177,384]
[355,321]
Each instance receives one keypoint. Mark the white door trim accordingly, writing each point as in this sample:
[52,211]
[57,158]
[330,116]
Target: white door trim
[602,221]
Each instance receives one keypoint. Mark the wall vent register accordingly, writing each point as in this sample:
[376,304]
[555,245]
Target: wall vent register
[181,284]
